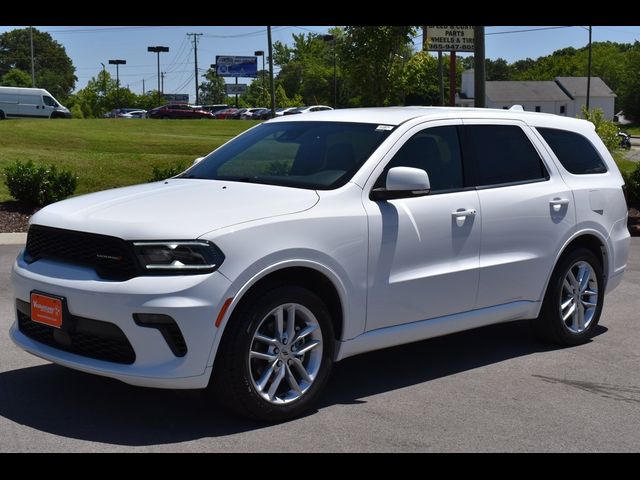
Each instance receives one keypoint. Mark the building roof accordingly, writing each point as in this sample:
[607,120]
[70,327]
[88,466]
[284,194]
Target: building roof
[577,87]
[524,91]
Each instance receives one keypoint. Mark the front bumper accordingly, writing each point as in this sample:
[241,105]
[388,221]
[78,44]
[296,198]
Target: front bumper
[193,301]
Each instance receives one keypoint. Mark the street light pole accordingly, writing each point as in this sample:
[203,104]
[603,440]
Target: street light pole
[273,91]
[260,53]
[117,63]
[157,49]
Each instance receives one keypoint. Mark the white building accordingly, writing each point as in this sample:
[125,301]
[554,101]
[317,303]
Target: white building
[561,96]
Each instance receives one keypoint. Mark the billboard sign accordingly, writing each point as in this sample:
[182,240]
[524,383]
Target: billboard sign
[176,97]
[229,66]
[450,38]
[236,89]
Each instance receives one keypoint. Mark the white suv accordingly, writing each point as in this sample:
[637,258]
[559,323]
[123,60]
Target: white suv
[304,241]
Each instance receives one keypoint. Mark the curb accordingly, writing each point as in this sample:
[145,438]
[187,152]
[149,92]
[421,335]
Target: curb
[13,238]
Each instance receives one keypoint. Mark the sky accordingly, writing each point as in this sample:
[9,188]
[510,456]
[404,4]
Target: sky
[89,46]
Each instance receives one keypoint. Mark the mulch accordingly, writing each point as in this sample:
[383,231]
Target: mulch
[14,217]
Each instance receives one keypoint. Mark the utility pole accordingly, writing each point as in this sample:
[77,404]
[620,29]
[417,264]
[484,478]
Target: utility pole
[273,91]
[452,78]
[441,78]
[157,49]
[144,91]
[33,68]
[195,54]
[589,71]
[162,74]
[260,53]
[479,67]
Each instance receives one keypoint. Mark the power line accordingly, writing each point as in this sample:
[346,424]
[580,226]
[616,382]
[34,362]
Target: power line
[107,29]
[529,30]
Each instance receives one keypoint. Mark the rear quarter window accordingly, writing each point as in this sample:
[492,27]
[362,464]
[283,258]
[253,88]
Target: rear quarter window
[575,152]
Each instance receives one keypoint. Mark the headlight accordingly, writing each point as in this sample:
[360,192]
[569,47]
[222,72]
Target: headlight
[178,257]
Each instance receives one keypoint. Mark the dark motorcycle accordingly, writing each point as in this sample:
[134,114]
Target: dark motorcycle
[625,140]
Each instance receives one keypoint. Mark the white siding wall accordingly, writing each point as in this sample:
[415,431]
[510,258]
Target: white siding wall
[603,103]
[545,107]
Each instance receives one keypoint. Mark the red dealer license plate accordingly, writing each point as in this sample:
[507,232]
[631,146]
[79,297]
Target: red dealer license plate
[46,309]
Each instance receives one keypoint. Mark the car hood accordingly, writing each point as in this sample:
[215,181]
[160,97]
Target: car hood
[173,209]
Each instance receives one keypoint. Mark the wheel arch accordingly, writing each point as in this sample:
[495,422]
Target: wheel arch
[318,278]
[590,239]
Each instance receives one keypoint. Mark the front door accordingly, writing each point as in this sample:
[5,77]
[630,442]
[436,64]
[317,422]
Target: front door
[423,251]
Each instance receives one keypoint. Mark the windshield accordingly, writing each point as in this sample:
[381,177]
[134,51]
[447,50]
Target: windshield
[313,155]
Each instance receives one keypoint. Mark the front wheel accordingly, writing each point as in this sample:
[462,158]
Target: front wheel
[573,301]
[276,355]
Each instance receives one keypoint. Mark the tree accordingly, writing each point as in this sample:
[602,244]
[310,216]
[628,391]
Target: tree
[369,60]
[53,67]
[420,79]
[498,69]
[306,67]
[213,90]
[15,78]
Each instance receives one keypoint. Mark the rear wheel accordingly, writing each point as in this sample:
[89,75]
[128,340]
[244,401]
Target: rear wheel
[2,116]
[275,356]
[573,301]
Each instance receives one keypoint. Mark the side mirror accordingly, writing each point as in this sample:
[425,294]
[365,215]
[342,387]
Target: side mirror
[198,160]
[403,182]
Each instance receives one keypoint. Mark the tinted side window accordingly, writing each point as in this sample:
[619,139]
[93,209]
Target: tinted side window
[501,154]
[575,152]
[435,150]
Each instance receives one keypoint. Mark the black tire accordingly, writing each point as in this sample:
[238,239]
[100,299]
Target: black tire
[164,117]
[231,381]
[549,325]
[2,116]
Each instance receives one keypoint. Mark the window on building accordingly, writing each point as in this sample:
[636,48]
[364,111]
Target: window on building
[501,154]
[563,109]
[506,107]
[537,108]
[575,152]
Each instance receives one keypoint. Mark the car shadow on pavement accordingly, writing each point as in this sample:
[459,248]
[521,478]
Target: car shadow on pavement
[72,404]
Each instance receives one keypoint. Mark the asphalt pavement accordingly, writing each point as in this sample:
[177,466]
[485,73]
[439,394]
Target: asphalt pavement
[490,389]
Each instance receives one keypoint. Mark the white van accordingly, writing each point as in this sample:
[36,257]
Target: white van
[30,102]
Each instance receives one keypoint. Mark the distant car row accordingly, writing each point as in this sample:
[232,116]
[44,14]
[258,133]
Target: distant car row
[184,111]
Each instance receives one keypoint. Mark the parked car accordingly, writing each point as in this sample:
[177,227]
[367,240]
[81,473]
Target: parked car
[313,108]
[179,111]
[248,113]
[261,114]
[134,114]
[215,108]
[369,228]
[281,111]
[237,115]
[16,102]
[226,113]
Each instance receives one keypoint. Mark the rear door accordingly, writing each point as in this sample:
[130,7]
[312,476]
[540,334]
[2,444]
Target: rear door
[527,209]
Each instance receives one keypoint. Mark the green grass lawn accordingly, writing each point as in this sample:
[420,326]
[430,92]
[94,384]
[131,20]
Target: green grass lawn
[107,153]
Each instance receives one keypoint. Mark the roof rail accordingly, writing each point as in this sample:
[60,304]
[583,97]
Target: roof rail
[517,108]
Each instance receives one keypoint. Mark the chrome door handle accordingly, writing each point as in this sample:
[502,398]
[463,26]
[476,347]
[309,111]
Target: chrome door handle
[469,212]
[557,203]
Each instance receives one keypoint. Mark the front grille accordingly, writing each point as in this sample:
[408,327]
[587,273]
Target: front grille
[86,337]
[111,257]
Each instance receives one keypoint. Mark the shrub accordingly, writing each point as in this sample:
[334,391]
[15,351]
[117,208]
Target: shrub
[160,174]
[606,129]
[632,181]
[39,185]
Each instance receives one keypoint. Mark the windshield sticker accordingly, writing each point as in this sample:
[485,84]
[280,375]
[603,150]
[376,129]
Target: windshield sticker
[384,127]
